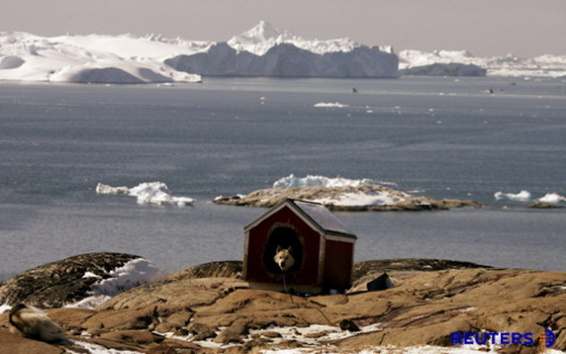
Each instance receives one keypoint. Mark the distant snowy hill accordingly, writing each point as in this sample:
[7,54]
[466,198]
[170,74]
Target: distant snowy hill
[464,63]
[90,59]
[267,51]
[263,50]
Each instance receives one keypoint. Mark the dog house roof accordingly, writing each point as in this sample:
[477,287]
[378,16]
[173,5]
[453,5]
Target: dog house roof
[317,215]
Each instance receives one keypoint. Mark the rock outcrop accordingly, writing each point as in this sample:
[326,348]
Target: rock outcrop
[270,197]
[62,282]
[187,313]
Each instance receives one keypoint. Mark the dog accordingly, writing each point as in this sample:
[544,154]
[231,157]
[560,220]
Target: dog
[30,322]
[284,258]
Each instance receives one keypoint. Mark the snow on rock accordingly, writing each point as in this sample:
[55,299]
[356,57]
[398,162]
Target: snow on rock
[88,59]
[340,194]
[133,274]
[83,280]
[319,181]
[147,193]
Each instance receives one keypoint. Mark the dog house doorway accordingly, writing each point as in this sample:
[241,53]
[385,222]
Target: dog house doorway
[283,237]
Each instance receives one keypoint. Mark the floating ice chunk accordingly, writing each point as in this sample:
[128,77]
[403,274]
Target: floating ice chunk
[523,196]
[319,181]
[157,193]
[330,105]
[106,189]
[552,198]
[147,193]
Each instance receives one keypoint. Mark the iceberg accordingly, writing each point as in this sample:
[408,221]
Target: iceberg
[525,196]
[155,193]
[522,196]
[265,50]
[552,198]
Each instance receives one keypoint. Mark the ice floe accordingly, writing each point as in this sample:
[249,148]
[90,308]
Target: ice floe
[147,193]
[522,196]
[330,105]
[526,196]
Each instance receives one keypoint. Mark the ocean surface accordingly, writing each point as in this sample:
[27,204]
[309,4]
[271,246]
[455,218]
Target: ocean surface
[437,137]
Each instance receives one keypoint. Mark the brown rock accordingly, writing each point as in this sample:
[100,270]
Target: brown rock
[179,319]
[11,343]
[349,325]
[430,300]
[121,319]
[271,334]
[201,331]
[59,283]
[130,336]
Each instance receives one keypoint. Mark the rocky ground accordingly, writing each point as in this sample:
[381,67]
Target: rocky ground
[403,202]
[210,309]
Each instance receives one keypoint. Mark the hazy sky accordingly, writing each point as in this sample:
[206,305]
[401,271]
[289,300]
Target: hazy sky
[484,27]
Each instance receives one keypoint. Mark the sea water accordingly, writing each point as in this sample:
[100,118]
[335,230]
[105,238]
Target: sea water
[436,137]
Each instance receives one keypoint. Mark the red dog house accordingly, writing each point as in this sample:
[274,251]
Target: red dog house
[321,246]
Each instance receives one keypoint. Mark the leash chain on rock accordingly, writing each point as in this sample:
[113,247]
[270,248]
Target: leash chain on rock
[286,289]
[291,297]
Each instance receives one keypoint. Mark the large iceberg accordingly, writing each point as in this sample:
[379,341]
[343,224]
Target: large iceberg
[267,51]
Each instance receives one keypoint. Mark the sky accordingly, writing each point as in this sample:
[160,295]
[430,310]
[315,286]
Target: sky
[525,28]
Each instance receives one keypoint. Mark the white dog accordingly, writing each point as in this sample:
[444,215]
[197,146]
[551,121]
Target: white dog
[284,258]
[28,321]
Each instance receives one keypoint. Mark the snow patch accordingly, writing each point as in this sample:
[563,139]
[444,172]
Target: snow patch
[97,349]
[133,274]
[373,198]
[147,193]
[319,181]
[4,308]
[350,198]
